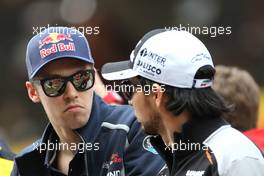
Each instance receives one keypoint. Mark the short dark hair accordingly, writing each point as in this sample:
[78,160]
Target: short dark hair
[199,102]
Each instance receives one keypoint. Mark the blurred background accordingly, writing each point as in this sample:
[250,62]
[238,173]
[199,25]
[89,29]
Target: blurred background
[113,29]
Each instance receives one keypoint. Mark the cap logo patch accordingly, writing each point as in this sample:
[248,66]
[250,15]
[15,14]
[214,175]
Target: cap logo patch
[143,52]
[151,56]
[57,46]
[54,38]
[148,68]
[200,57]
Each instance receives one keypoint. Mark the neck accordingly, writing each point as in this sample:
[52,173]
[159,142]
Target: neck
[67,137]
[172,124]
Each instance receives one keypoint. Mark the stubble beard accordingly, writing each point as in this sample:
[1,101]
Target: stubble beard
[152,127]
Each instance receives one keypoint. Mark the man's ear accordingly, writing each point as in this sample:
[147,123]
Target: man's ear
[32,92]
[158,94]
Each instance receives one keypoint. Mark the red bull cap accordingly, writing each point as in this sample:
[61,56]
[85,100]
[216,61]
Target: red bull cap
[56,43]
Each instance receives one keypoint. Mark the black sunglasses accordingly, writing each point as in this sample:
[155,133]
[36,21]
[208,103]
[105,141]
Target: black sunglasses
[128,89]
[55,86]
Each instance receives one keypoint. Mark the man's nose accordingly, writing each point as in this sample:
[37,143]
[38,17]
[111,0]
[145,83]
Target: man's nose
[70,91]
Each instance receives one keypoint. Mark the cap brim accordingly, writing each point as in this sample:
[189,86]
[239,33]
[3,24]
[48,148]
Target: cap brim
[56,58]
[118,71]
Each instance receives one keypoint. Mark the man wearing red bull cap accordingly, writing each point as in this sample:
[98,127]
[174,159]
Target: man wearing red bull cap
[85,136]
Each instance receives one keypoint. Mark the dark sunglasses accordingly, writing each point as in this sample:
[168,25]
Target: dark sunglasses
[55,86]
[128,89]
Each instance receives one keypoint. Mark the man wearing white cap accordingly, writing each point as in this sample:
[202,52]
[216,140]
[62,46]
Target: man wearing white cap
[168,81]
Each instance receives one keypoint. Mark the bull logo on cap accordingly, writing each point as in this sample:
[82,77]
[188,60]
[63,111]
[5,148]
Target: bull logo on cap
[54,38]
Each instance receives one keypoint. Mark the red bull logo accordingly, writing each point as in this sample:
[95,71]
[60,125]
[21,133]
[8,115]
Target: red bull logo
[115,158]
[54,38]
[57,46]
[60,47]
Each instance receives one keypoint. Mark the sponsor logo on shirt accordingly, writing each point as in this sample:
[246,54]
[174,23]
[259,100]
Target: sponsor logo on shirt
[114,173]
[194,173]
[147,145]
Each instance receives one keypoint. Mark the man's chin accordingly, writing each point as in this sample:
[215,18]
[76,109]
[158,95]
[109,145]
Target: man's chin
[149,130]
[77,122]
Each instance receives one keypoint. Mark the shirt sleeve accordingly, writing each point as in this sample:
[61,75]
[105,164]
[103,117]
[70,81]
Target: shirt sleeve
[139,160]
[245,167]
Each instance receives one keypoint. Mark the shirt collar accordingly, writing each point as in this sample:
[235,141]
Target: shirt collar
[193,131]
[198,130]
[51,154]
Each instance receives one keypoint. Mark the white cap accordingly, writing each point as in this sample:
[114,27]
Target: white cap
[166,57]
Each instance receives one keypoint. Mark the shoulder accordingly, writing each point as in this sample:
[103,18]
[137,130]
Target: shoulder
[121,114]
[32,147]
[123,117]
[230,146]
[115,114]
[5,152]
